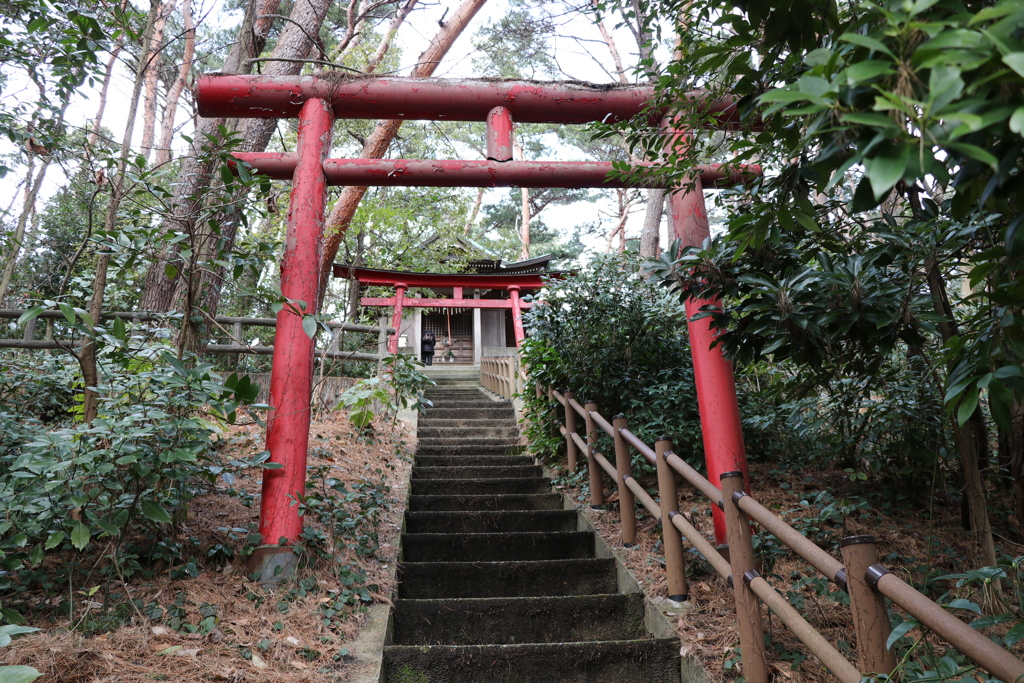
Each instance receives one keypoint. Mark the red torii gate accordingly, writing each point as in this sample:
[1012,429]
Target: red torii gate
[317,101]
[513,283]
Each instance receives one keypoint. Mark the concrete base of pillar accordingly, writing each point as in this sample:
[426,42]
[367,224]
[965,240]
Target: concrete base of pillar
[273,564]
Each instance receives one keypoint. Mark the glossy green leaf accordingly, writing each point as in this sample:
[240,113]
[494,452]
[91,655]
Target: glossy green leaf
[80,534]
[154,511]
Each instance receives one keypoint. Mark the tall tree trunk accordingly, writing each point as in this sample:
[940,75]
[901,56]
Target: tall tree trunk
[389,35]
[524,197]
[1011,459]
[94,134]
[153,59]
[87,355]
[475,212]
[163,150]
[651,232]
[18,238]
[196,172]
[202,287]
[971,438]
[378,142]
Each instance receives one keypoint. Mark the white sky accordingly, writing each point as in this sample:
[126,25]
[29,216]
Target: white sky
[413,37]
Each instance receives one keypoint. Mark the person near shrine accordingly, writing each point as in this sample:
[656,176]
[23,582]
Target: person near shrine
[428,348]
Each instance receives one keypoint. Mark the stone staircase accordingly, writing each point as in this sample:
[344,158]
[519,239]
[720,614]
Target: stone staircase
[497,582]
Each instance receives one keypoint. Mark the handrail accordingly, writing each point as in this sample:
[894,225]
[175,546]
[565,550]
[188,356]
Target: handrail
[636,443]
[833,660]
[603,423]
[606,466]
[645,498]
[710,491]
[818,558]
[865,587]
[972,644]
[578,408]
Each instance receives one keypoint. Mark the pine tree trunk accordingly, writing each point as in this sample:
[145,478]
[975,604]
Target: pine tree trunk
[163,150]
[152,60]
[204,285]
[651,232]
[379,141]
[94,134]
[18,238]
[158,292]
[87,355]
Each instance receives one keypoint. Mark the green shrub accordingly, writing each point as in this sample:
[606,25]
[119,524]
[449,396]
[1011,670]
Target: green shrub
[614,337]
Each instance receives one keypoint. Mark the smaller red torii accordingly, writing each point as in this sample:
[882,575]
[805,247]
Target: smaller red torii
[402,281]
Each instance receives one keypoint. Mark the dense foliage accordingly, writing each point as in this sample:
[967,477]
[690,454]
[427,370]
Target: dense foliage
[613,337]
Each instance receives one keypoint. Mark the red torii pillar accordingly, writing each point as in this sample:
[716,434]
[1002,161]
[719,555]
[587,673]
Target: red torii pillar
[291,375]
[396,318]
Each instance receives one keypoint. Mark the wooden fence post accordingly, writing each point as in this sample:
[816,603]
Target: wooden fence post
[593,469]
[675,560]
[570,429]
[870,619]
[741,558]
[627,502]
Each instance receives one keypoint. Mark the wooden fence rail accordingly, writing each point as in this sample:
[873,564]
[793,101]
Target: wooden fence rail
[859,574]
[236,324]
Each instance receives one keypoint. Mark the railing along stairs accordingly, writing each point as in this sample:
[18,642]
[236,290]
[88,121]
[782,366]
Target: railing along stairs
[859,574]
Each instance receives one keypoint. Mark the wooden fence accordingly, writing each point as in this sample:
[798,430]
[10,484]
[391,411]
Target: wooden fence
[235,337]
[859,574]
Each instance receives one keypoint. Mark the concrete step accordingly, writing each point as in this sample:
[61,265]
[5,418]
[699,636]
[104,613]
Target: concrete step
[490,521]
[491,547]
[476,487]
[504,621]
[429,580]
[468,449]
[473,460]
[448,422]
[454,391]
[494,430]
[535,501]
[481,471]
[488,411]
[622,661]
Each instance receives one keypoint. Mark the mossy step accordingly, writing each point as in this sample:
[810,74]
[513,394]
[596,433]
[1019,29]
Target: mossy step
[473,460]
[477,471]
[459,448]
[504,621]
[469,487]
[500,432]
[622,661]
[489,411]
[425,580]
[490,521]
[534,501]
[497,547]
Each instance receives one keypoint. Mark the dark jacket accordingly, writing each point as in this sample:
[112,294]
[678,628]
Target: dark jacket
[428,343]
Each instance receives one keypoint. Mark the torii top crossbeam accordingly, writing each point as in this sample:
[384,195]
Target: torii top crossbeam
[317,102]
[368,97]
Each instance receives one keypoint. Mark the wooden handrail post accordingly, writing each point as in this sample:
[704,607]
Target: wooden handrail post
[627,502]
[593,469]
[675,560]
[870,619]
[570,429]
[741,559]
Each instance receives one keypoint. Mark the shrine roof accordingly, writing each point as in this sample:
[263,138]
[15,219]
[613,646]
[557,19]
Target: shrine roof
[502,278]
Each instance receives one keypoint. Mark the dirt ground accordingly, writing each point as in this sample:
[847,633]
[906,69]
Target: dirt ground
[259,635]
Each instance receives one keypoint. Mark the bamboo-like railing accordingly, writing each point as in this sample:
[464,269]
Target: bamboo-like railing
[865,580]
[501,374]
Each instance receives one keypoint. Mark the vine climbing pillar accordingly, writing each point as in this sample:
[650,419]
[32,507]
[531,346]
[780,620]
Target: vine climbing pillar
[716,387]
[291,376]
